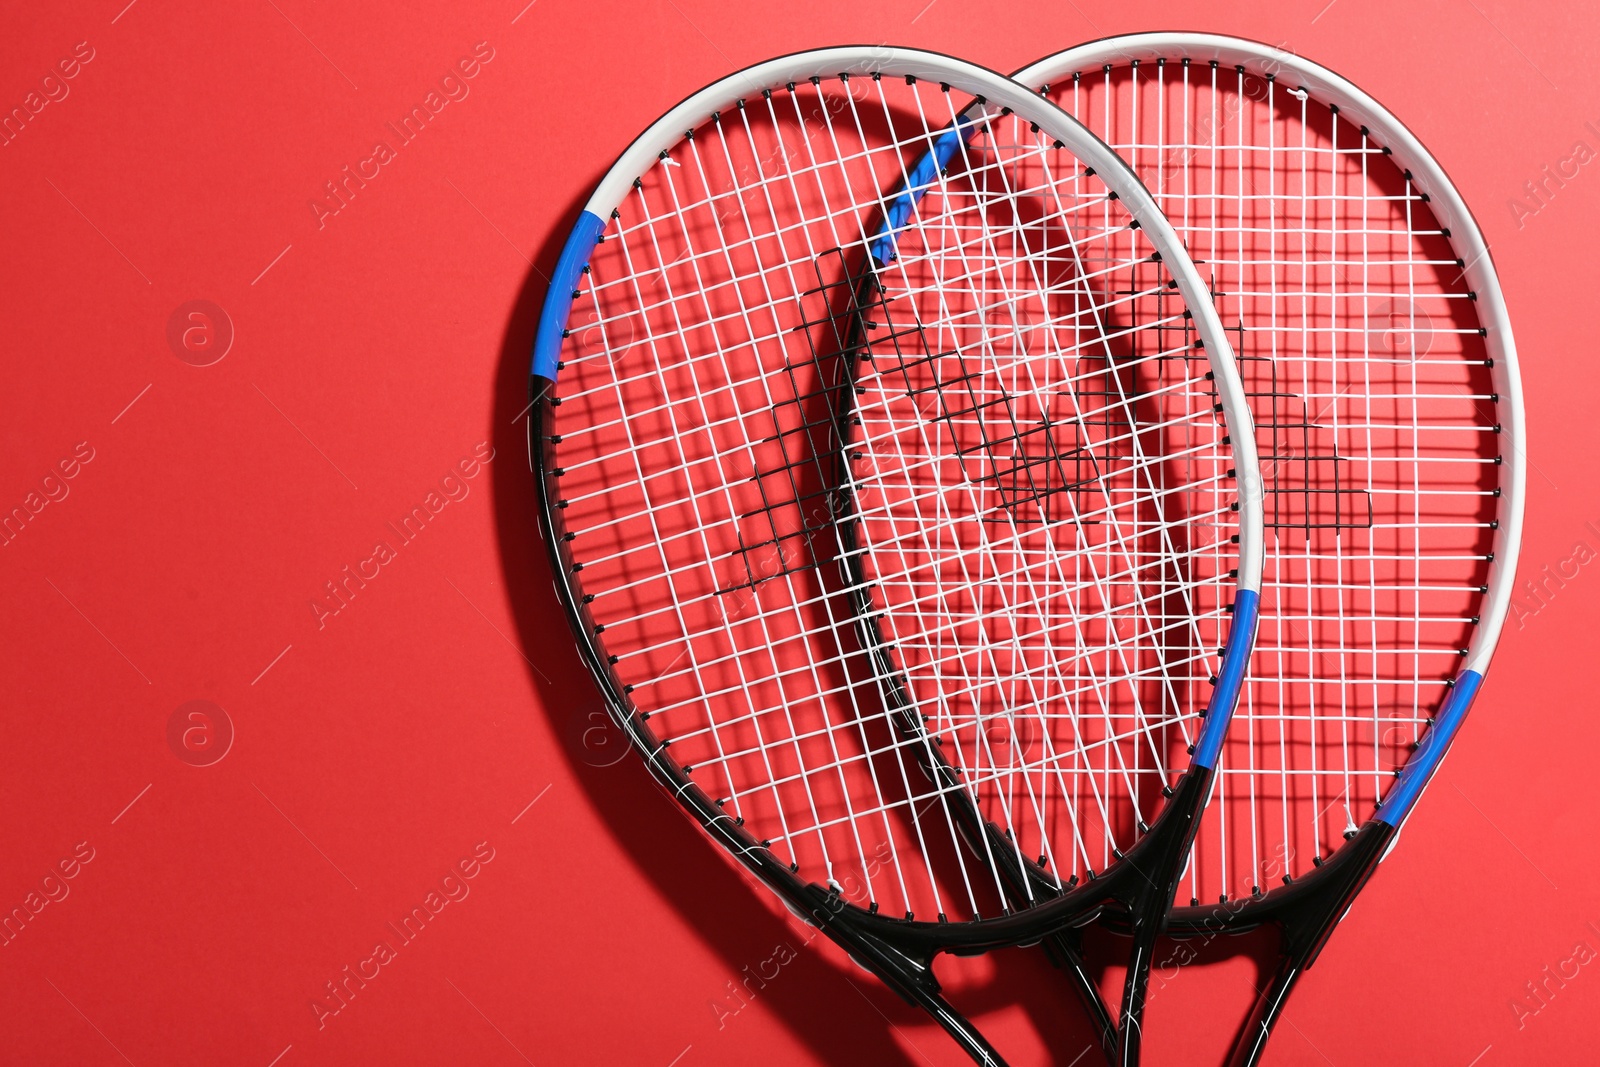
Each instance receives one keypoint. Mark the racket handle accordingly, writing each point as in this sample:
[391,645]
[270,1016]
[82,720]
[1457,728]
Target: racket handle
[1065,951]
[1159,864]
[961,1031]
[1134,990]
[1269,1005]
[1305,924]
[907,973]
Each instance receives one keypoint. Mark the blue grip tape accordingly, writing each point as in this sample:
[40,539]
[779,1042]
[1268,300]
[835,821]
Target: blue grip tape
[558,300]
[918,181]
[1235,657]
[1435,743]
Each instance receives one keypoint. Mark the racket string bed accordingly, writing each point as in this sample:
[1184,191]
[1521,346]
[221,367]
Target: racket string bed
[1365,430]
[886,448]
[781,556]
[1378,363]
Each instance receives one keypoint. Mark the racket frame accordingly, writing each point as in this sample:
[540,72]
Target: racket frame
[1307,910]
[901,951]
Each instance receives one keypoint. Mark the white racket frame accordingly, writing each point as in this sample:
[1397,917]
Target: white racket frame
[1448,207]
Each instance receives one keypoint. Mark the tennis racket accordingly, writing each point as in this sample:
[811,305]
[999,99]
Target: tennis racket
[1374,346]
[889,456]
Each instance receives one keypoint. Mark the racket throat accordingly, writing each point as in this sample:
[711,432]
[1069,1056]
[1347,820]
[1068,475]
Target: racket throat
[1147,882]
[908,973]
[1147,878]
[1308,919]
[1306,913]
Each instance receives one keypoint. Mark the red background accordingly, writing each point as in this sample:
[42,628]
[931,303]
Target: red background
[378,747]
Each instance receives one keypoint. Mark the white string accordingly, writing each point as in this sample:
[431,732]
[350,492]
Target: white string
[698,452]
[1310,235]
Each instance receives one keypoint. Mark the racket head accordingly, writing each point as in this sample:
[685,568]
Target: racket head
[1406,295]
[694,198]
